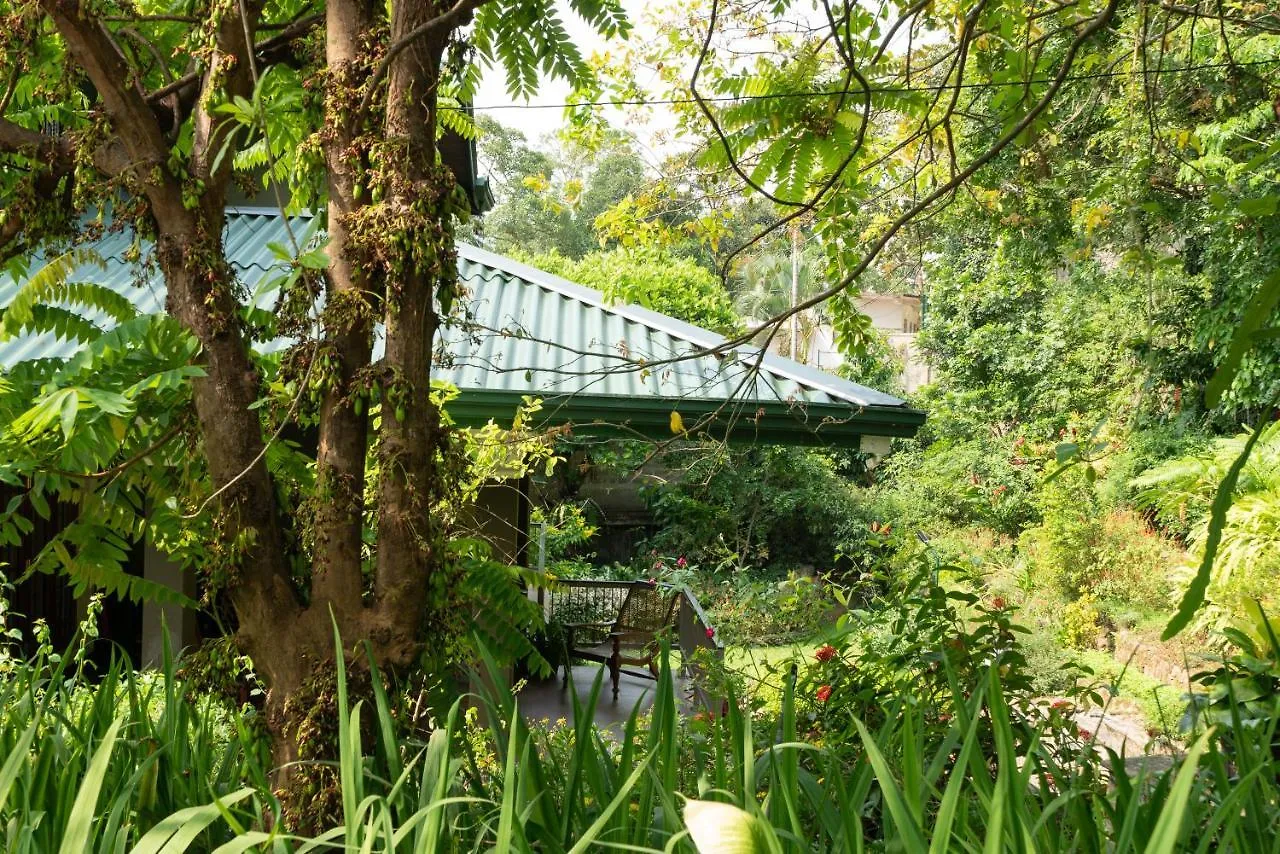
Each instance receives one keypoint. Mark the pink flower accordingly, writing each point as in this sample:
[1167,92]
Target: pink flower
[998,603]
[653,582]
[826,652]
[681,562]
[1085,734]
[823,694]
[711,633]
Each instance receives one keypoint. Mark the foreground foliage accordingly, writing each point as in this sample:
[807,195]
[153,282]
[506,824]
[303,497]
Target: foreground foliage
[134,762]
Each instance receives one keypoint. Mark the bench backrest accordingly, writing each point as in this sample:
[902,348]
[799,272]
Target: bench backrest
[647,608]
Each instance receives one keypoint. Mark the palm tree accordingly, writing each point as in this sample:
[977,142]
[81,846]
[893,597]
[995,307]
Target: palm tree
[772,282]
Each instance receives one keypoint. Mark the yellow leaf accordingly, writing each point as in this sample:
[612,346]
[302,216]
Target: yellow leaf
[677,423]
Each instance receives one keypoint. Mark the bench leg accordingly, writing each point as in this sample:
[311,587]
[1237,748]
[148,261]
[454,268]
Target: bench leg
[615,667]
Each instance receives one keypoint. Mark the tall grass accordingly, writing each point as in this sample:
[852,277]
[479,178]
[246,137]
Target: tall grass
[91,761]
[131,764]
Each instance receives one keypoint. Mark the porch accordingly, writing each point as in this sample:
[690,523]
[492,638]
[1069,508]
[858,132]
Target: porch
[690,633]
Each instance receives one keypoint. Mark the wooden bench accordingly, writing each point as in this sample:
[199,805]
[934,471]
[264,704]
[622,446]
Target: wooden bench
[631,638]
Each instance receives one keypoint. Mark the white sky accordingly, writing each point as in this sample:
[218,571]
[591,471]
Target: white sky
[548,118]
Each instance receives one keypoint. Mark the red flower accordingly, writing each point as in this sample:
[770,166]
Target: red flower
[711,633]
[681,562]
[998,603]
[1085,734]
[823,694]
[1060,705]
[826,652]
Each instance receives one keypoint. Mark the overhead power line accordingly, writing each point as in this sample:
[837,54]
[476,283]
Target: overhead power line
[874,90]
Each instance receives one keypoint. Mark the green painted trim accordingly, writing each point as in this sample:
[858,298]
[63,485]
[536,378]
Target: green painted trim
[826,424]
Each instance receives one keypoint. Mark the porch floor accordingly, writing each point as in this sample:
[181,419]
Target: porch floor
[547,700]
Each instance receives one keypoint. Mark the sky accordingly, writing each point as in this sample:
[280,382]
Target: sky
[541,115]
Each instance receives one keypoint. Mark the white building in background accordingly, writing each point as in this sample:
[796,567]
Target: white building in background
[895,315]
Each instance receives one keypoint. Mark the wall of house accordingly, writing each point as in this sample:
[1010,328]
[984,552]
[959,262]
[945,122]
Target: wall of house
[170,618]
[896,316]
[500,517]
[891,312]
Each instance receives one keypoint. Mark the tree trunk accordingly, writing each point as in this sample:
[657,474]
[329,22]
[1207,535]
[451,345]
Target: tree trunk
[403,244]
[338,519]
[419,193]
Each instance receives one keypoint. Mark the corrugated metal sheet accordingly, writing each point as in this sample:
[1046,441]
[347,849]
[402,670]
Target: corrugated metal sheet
[527,333]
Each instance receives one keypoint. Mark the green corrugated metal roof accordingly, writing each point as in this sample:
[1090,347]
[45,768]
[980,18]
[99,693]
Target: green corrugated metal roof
[608,369]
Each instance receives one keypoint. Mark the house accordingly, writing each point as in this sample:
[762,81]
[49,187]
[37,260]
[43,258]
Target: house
[599,369]
[897,316]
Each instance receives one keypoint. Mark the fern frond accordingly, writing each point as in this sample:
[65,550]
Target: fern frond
[65,324]
[497,607]
[50,285]
[93,558]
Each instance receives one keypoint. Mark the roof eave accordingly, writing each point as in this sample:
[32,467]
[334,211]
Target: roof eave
[826,424]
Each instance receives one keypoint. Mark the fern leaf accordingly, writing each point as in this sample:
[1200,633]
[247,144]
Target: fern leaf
[48,284]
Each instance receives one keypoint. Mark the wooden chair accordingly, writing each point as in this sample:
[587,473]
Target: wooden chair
[630,638]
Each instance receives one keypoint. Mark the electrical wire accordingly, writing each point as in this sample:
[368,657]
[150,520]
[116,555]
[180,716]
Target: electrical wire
[874,90]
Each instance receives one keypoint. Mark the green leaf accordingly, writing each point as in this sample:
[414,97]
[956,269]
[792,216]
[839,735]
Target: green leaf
[1255,314]
[1265,206]
[1195,595]
[76,838]
[1169,825]
[718,828]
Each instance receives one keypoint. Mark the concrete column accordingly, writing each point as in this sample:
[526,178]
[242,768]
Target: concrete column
[157,618]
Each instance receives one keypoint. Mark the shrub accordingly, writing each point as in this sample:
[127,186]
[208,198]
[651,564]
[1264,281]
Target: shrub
[1243,690]
[767,613]
[1078,624]
[920,641]
[987,482]
[1180,491]
[782,508]
[1065,547]
[653,278]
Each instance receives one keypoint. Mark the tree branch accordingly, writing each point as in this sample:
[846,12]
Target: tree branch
[16,139]
[266,52]
[133,119]
[454,16]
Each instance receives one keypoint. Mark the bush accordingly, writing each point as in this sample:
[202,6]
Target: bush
[767,507]
[1078,624]
[988,482]
[1065,547]
[751,612]
[653,278]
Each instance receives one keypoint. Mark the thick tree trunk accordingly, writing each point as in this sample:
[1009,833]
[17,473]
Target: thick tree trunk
[257,569]
[348,319]
[403,245]
[411,439]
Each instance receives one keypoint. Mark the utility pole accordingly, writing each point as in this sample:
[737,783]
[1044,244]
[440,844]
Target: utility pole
[795,292]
